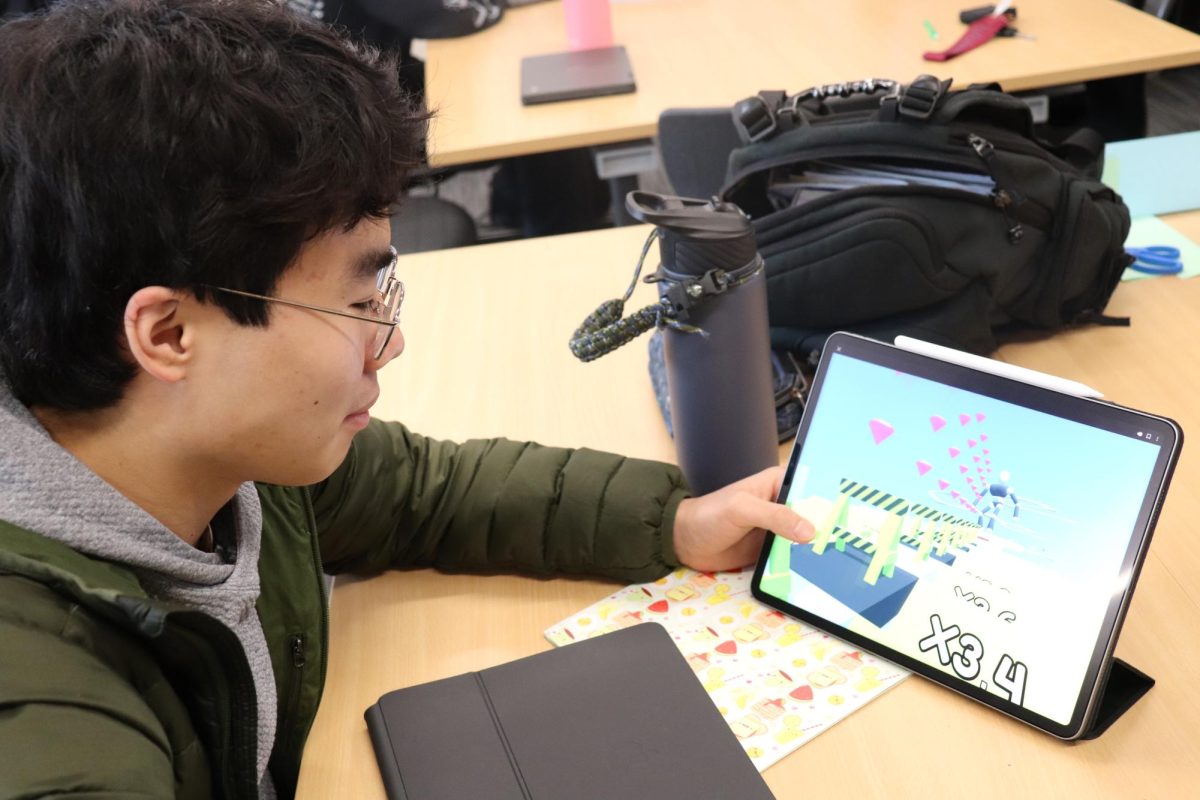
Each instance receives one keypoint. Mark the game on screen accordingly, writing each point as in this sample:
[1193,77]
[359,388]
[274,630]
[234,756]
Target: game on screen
[979,537]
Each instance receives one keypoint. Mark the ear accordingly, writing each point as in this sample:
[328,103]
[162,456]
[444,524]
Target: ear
[156,333]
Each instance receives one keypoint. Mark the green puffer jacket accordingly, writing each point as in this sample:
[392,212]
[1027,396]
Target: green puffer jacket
[105,692]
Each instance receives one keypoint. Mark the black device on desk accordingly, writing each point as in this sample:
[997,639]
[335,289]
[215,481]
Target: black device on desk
[576,74]
[982,531]
[969,15]
[618,715]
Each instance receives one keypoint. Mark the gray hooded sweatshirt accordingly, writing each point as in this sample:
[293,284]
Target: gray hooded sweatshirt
[46,489]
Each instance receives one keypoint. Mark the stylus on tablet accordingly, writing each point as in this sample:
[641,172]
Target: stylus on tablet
[1022,374]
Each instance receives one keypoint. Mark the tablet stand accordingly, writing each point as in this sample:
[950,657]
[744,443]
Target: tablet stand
[1124,687]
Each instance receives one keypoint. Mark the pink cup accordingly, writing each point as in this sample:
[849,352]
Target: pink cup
[589,24]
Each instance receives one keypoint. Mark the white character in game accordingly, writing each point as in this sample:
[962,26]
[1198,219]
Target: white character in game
[1000,492]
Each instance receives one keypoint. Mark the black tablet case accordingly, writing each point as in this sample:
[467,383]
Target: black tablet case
[576,74]
[621,715]
[1124,686]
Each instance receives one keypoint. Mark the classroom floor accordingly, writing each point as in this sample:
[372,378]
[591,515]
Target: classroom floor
[1173,101]
[1172,104]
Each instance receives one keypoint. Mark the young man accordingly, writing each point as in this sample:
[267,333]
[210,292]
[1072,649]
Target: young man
[196,294]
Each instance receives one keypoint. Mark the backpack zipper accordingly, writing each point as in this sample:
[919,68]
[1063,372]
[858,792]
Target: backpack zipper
[1001,197]
[1027,210]
[832,198]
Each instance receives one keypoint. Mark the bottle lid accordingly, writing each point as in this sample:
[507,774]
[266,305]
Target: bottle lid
[695,235]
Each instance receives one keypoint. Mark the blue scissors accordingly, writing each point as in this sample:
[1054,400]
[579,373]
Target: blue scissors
[1157,260]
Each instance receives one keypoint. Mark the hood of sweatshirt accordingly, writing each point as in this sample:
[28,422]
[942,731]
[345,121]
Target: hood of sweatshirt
[44,488]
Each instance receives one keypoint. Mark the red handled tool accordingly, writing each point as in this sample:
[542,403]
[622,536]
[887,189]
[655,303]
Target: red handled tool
[979,32]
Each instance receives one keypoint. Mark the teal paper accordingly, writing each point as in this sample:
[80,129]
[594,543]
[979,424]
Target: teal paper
[1157,175]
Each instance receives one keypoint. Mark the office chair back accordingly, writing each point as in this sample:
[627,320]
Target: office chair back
[424,223]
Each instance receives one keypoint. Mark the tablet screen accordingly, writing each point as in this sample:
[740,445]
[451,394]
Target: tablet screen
[980,531]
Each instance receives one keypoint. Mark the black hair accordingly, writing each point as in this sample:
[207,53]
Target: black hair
[182,143]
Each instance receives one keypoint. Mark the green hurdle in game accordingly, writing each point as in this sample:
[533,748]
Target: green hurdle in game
[932,530]
[834,529]
[777,577]
[923,527]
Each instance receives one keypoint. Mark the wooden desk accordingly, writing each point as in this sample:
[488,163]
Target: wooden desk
[704,53]
[487,332]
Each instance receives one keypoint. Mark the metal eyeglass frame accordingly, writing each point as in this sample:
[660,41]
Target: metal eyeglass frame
[389,301]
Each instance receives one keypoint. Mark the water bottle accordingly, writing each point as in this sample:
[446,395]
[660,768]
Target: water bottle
[719,358]
[712,312]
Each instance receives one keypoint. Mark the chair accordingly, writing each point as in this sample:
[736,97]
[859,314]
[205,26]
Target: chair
[421,222]
[429,223]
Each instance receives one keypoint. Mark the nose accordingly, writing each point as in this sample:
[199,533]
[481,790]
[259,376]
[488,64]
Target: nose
[394,348]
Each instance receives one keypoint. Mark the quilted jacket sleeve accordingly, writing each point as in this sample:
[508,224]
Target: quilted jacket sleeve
[401,499]
[71,721]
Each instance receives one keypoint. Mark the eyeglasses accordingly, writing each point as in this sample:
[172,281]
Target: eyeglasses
[383,310]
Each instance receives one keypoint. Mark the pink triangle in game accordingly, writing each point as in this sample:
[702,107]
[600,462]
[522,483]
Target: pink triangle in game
[980,417]
[986,451]
[971,442]
[954,451]
[937,422]
[975,459]
[880,430]
[962,468]
[923,467]
[979,470]
[954,493]
[964,418]
[983,437]
[943,484]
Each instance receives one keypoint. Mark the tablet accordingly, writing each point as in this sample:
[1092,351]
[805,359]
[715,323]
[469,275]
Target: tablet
[576,74]
[981,531]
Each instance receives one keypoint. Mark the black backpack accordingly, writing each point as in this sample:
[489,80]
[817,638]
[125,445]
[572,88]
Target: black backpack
[935,214]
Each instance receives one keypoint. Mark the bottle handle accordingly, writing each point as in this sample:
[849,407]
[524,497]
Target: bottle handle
[605,329]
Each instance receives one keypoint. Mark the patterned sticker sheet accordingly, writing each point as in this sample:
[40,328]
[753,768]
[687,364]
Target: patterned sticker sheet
[777,682]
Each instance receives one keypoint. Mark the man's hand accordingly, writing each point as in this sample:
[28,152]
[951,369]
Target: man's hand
[724,529]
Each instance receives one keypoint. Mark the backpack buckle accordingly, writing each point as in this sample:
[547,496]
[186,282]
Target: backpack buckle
[920,98]
[755,119]
[791,107]
[889,103]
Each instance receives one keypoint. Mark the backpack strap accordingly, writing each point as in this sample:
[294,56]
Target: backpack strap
[757,117]
[1083,149]
[769,113]
[917,101]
